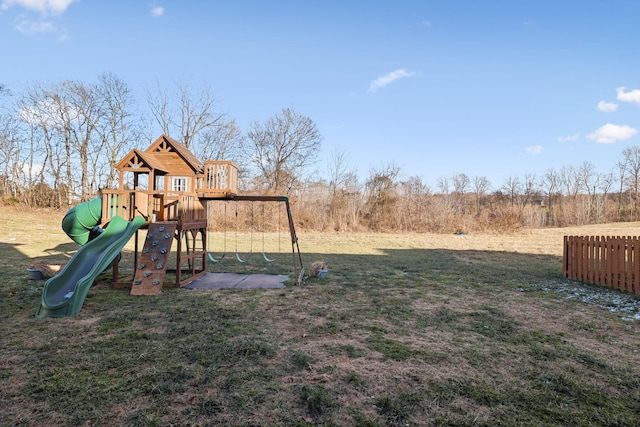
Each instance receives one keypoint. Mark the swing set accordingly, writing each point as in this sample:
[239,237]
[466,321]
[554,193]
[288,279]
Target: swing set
[295,250]
[251,239]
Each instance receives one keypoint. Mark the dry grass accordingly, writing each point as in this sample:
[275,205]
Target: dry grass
[408,329]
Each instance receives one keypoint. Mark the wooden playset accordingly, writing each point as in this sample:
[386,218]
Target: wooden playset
[171,188]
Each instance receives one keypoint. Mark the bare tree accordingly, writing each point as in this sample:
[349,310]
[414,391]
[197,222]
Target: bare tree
[85,108]
[37,109]
[460,187]
[481,186]
[550,185]
[529,190]
[444,185]
[382,197]
[10,156]
[513,188]
[621,168]
[341,176]
[631,158]
[604,185]
[63,118]
[118,128]
[282,147]
[159,104]
[588,178]
[224,141]
[569,181]
[414,203]
[186,113]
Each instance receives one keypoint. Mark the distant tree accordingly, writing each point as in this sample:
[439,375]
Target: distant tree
[63,120]
[550,185]
[569,181]
[604,185]
[588,178]
[222,142]
[282,147]
[460,188]
[481,186]
[631,158]
[444,185]
[119,127]
[85,110]
[11,156]
[512,187]
[621,169]
[382,197]
[38,110]
[529,190]
[342,191]
[413,204]
[185,115]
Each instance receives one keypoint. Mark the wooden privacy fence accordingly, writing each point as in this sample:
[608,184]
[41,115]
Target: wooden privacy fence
[603,260]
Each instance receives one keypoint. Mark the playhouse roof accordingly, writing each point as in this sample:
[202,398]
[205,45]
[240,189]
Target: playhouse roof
[137,160]
[165,144]
[165,155]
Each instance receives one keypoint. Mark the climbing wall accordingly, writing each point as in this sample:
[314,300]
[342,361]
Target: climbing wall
[152,265]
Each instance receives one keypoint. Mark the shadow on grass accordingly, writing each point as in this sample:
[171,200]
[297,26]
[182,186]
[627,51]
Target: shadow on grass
[410,267]
[65,249]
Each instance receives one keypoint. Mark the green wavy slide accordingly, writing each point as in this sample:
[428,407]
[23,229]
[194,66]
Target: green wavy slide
[64,294]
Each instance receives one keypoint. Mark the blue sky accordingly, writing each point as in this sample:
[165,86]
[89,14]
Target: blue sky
[493,88]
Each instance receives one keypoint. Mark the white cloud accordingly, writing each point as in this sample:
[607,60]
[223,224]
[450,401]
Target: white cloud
[535,150]
[157,11]
[569,138]
[607,107]
[55,7]
[631,96]
[383,81]
[29,27]
[610,133]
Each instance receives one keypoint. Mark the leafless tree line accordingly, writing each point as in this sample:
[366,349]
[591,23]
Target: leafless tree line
[59,144]
[571,195]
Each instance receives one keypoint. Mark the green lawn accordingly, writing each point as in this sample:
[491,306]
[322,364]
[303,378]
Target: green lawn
[408,329]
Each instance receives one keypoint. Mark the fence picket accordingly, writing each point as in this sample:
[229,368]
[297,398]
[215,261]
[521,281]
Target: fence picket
[636,266]
[597,267]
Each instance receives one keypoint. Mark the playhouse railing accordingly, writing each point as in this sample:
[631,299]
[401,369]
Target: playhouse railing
[153,205]
[219,180]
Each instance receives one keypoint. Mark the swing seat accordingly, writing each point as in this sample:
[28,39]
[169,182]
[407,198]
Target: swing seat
[267,259]
[213,259]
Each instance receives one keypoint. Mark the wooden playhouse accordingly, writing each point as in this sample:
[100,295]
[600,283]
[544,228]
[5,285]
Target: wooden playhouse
[170,189]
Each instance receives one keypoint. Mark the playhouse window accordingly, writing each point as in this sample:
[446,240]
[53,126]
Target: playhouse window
[179,183]
[159,183]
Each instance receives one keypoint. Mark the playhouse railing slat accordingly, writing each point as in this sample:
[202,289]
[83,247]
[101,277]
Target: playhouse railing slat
[611,261]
